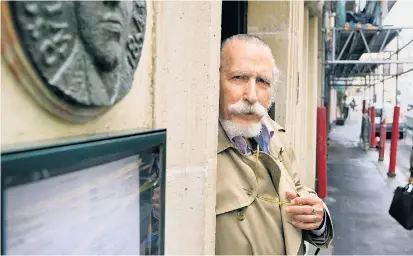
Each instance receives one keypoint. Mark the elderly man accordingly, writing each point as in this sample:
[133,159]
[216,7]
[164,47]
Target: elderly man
[261,206]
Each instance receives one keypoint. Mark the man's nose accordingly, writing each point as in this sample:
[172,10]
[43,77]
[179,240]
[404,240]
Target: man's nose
[251,92]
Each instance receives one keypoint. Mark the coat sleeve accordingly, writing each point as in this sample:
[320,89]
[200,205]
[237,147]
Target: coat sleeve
[292,167]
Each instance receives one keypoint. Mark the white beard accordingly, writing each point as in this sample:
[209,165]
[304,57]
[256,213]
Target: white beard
[244,130]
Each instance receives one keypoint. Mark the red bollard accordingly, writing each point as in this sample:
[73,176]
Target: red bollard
[382,140]
[394,140]
[373,127]
[322,152]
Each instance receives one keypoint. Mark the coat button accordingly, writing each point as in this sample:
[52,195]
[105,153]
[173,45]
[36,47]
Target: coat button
[241,215]
[248,191]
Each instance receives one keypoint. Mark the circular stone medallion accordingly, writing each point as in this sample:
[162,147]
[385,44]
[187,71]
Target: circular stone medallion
[76,58]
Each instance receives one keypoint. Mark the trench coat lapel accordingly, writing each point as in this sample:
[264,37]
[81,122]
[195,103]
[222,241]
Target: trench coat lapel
[292,235]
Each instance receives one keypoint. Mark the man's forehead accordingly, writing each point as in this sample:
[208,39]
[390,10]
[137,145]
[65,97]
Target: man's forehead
[239,53]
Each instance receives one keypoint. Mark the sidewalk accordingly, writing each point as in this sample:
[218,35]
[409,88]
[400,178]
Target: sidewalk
[359,197]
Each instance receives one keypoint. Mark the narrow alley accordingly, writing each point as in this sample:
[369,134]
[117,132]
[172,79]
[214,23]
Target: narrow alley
[360,193]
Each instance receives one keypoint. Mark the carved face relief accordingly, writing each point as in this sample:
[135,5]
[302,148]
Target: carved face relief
[104,32]
[84,52]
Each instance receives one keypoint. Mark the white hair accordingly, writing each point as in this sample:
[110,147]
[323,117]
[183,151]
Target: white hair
[257,41]
[244,130]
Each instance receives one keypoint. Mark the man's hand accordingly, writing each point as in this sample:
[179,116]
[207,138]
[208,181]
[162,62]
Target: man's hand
[156,202]
[307,212]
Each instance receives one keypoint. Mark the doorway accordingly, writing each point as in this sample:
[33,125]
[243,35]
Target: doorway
[234,18]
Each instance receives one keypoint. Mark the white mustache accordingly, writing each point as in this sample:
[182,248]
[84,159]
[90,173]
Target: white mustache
[243,107]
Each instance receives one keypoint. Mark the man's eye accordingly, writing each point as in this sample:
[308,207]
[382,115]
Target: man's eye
[262,81]
[237,77]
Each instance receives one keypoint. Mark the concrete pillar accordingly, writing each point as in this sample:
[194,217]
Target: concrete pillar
[312,96]
[333,105]
[294,112]
[292,71]
[186,91]
[304,134]
[306,121]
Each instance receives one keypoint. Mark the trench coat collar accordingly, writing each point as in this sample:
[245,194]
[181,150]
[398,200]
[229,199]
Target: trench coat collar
[224,142]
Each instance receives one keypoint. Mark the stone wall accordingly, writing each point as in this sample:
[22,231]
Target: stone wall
[175,87]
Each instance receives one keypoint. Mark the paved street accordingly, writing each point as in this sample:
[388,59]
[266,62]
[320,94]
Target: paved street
[360,193]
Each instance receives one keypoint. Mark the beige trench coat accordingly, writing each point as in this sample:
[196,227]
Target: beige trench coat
[245,224]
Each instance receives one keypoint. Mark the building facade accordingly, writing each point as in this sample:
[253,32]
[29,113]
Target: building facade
[176,86]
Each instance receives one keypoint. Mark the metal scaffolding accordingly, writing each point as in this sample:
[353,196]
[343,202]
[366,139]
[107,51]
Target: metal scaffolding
[357,56]
[357,53]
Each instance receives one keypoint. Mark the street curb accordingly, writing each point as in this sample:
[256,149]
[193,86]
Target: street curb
[400,179]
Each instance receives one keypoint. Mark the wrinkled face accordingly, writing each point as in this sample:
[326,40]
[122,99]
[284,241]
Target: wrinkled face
[102,26]
[245,82]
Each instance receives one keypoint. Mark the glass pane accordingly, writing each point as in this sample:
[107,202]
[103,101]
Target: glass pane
[101,204]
